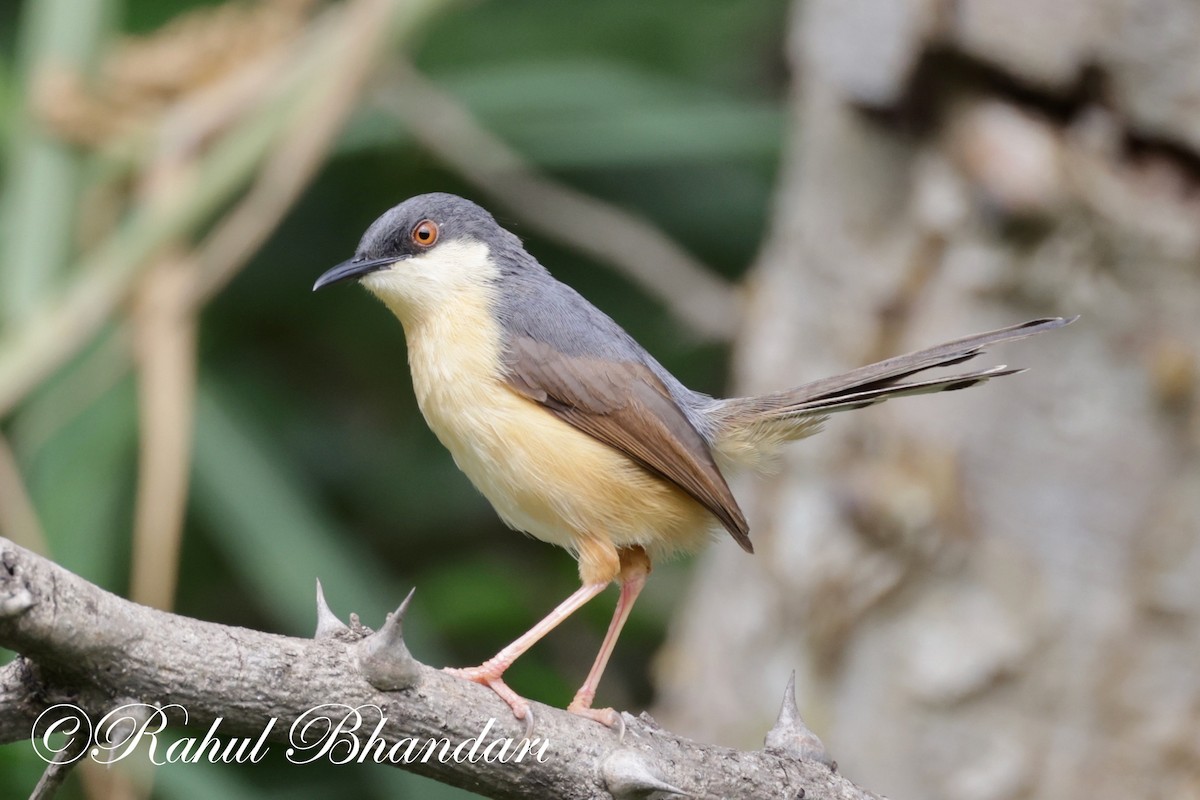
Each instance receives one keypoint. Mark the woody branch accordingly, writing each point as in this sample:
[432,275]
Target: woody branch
[82,646]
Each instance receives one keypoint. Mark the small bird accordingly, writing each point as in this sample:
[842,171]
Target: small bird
[574,432]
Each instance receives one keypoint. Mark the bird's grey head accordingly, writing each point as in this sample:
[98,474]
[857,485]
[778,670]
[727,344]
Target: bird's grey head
[427,250]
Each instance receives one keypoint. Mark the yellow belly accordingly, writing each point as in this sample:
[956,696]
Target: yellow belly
[542,475]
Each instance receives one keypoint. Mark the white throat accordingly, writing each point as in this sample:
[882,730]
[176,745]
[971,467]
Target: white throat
[433,283]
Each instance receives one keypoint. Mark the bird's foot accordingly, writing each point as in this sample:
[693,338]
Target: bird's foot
[491,676]
[605,716]
[582,705]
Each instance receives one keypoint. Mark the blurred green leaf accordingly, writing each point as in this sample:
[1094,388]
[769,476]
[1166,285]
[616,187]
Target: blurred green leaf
[20,769]
[582,113]
[394,784]
[81,480]
[274,533]
[188,781]
[8,102]
[39,202]
[477,594]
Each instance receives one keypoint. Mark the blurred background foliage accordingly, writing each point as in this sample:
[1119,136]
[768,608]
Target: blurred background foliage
[175,399]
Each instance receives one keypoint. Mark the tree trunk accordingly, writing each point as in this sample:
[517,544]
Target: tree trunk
[996,593]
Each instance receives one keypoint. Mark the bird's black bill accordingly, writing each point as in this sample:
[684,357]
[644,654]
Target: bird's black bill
[351,270]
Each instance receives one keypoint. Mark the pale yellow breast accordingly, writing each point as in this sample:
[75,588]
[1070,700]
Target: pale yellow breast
[542,475]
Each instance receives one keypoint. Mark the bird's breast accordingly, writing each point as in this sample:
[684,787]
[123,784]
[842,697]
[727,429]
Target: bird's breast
[541,474]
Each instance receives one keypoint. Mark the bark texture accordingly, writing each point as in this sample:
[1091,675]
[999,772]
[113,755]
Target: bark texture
[87,648]
[993,594]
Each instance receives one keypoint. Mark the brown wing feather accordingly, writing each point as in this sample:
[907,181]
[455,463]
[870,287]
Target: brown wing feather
[627,407]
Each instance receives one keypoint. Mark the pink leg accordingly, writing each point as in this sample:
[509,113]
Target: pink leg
[489,672]
[633,578]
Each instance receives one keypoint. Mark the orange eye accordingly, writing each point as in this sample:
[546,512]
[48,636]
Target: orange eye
[426,233]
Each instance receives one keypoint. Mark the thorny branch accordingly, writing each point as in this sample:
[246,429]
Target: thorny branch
[83,646]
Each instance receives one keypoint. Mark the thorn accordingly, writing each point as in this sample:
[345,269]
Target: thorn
[15,601]
[789,712]
[15,595]
[328,625]
[126,721]
[629,775]
[648,721]
[383,656]
[791,736]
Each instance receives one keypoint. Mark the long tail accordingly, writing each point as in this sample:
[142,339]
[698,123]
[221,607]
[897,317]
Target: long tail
[747,428]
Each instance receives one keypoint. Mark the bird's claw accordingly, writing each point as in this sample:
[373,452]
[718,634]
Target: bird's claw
[491,678]
[607,717]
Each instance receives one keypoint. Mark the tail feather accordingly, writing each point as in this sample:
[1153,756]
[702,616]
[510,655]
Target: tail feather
[750,427]
[869,397]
